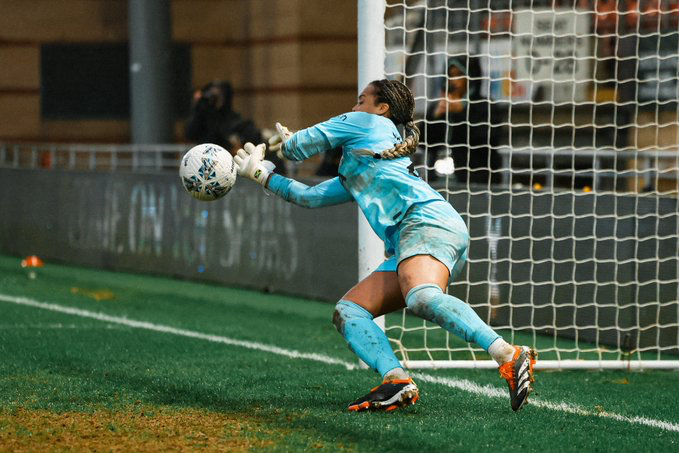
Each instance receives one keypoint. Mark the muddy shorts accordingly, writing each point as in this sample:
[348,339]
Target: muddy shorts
[434,229]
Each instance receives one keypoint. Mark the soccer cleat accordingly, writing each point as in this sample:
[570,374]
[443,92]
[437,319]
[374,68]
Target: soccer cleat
[519,375]
[388,396]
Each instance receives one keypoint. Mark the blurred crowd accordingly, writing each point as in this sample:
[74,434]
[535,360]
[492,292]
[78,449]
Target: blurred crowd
[462,122]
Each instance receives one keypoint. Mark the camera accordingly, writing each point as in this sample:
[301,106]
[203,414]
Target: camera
[215,95]
[210,95]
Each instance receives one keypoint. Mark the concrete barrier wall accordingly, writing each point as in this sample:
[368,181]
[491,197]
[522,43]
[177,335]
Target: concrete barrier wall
[148,223]
[550,262]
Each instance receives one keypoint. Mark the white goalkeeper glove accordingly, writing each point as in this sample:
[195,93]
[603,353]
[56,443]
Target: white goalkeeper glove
[251,164]
[278,139]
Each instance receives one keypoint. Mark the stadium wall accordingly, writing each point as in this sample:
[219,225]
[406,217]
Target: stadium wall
[559,265]
[129,222]
[287,61]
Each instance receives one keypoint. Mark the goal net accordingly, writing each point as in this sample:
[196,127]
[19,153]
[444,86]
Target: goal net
[553,128]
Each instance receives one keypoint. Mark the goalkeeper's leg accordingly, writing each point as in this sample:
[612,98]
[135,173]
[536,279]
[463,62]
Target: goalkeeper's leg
[353,317]
[428,301]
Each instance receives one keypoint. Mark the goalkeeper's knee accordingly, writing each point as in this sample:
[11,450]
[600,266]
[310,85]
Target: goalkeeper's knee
[421,300]
[346,310]
[364,337]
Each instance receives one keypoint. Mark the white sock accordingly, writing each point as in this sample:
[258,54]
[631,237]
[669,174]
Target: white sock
[396,373]
[501,351]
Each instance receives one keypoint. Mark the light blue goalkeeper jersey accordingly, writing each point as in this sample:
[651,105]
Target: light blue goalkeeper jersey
[383,188]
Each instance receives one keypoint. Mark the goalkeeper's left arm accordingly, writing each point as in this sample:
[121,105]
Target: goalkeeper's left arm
[333,133]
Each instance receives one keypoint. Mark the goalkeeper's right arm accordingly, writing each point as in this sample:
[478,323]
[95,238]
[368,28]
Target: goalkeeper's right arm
[251,164]
[327,193]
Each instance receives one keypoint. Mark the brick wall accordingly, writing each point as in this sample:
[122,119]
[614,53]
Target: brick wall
[292,61]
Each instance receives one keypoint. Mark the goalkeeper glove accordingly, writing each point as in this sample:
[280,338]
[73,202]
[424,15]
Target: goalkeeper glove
[278,139]
[251,164]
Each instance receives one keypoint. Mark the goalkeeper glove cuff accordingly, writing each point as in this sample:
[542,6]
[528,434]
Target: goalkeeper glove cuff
[251,163]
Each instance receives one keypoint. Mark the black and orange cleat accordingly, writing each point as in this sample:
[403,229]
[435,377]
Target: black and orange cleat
[388,396]
[519,375]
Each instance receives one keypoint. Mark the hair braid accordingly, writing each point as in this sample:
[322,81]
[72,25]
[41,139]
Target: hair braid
[402,105]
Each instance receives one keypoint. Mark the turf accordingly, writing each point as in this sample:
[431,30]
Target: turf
[57,367]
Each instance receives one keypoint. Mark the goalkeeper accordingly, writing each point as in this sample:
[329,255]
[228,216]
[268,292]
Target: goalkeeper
[424,236]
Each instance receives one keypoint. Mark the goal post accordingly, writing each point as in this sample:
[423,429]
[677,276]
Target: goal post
[371,48]
[561,119]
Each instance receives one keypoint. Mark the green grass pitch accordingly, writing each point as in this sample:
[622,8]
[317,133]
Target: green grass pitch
[94,360]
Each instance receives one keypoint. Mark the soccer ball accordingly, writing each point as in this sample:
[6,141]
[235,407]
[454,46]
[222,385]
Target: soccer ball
[207,171]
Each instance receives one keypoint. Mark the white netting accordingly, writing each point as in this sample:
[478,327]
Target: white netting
[562,120]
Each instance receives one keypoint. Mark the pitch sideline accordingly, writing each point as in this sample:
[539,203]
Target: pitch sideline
[460,384]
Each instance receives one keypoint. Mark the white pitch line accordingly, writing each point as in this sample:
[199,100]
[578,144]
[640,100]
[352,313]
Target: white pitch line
[58,326]
[494,392]
[174,331]
[460,384]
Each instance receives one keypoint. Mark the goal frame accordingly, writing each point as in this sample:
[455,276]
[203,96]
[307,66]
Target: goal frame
[371,58]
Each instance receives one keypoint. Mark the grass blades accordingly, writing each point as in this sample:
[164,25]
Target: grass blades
[61,369]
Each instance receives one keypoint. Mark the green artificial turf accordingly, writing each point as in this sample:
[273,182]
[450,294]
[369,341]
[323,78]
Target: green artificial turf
[67,363]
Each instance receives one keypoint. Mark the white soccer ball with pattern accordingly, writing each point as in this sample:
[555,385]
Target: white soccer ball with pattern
[207,171]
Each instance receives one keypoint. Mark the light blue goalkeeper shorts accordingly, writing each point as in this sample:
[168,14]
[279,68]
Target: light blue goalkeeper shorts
[434,228]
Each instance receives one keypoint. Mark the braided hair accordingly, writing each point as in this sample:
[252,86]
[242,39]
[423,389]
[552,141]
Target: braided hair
[402,106]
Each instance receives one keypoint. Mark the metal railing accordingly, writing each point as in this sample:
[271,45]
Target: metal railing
[94,157]
[161,157]
[603,167]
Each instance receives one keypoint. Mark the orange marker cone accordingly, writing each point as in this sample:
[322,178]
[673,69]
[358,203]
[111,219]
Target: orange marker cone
[32,261]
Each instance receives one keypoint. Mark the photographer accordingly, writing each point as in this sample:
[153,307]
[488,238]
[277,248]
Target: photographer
[213,120]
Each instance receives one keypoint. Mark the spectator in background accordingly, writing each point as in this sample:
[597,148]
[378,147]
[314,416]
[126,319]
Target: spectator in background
[213,120]
[465,123]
